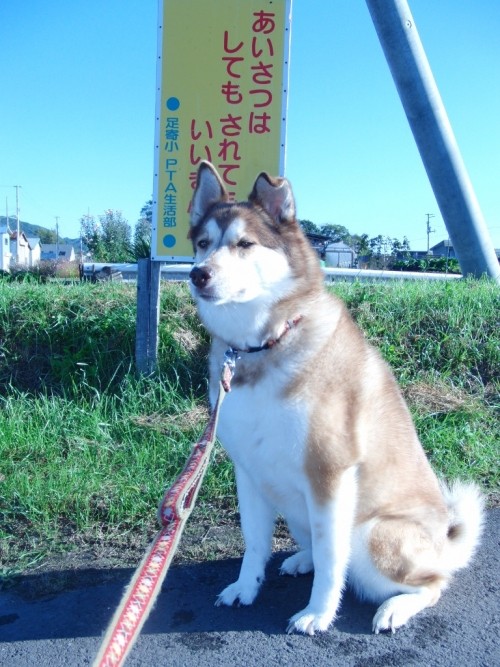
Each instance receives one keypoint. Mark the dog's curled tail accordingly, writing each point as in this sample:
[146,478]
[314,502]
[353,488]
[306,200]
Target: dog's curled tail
[466,511]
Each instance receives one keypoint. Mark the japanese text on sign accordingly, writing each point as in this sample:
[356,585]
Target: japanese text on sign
[223,99]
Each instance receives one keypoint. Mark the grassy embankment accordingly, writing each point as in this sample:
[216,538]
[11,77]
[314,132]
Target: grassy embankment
[86,448]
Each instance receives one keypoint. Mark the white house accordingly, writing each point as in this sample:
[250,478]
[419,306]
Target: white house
[62,252]
[35,250]
[5,254]
[20,253]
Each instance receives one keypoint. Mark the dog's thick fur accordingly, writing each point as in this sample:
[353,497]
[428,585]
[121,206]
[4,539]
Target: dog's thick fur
[315,423]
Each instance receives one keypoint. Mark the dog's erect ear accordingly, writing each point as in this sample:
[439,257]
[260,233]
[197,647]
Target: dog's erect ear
[275,196]
[209,190]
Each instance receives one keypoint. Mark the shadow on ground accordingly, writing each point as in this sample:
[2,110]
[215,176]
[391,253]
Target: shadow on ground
[58,620]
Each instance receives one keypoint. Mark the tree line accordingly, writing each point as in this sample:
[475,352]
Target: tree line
[381,252]
[362,244]
[109,238]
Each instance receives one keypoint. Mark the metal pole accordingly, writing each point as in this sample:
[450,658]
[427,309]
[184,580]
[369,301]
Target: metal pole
[148,315]
[57,237]
[142,320]
[433,134]
[154,315]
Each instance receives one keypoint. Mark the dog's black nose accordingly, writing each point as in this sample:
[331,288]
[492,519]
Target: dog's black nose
[200,276]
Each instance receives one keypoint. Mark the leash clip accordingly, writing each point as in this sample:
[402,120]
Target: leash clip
[231,356]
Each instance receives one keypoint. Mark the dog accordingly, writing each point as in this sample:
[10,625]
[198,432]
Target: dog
[315,423]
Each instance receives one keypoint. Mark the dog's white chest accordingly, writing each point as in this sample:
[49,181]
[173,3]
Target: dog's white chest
[265,434]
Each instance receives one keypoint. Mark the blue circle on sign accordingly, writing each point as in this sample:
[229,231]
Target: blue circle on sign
[169,241]
[173,104]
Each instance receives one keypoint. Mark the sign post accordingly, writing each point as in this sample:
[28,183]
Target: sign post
[222,94]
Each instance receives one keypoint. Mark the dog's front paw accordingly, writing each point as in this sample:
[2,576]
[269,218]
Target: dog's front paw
[308,622]
[240,592]
[299,563]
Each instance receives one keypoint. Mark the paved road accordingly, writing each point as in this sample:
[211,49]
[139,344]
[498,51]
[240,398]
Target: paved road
[185,629]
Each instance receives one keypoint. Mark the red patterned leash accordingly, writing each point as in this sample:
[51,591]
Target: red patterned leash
[173,513]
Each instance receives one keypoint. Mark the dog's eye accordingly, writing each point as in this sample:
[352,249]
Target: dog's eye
[203,244]
[243,243]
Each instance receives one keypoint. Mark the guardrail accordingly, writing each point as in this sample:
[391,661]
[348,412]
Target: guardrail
[181,272]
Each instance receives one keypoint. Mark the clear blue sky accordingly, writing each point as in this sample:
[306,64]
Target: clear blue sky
[77,81]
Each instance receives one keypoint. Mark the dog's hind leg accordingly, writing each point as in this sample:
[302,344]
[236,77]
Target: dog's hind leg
[396,561]
[302,561]
[397,611]
[257,524]
[299,563]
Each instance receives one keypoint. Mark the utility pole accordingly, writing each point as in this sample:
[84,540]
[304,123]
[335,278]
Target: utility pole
[429,230]
[18,232]
[434,137]
[57,237]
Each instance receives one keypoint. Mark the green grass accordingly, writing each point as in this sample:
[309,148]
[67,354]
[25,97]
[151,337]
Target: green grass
[450,328]
[87,448]
[95,468]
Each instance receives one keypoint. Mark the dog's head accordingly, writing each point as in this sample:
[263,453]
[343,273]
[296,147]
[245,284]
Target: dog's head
[239,254]
[248,255]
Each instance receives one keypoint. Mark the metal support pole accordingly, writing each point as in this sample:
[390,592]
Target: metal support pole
[154,315]
[142,318]
[148,314]
[433,134]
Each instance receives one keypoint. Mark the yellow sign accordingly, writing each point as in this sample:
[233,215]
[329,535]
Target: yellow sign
[221,96]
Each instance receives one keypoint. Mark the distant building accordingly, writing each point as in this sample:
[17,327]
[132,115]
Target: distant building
[319,243]
[62,252]
[20,252]
[5,254]
[340,255]
[443,249]
[334,254]
[35,250]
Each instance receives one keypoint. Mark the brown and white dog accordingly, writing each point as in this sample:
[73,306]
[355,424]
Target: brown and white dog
[315,423]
